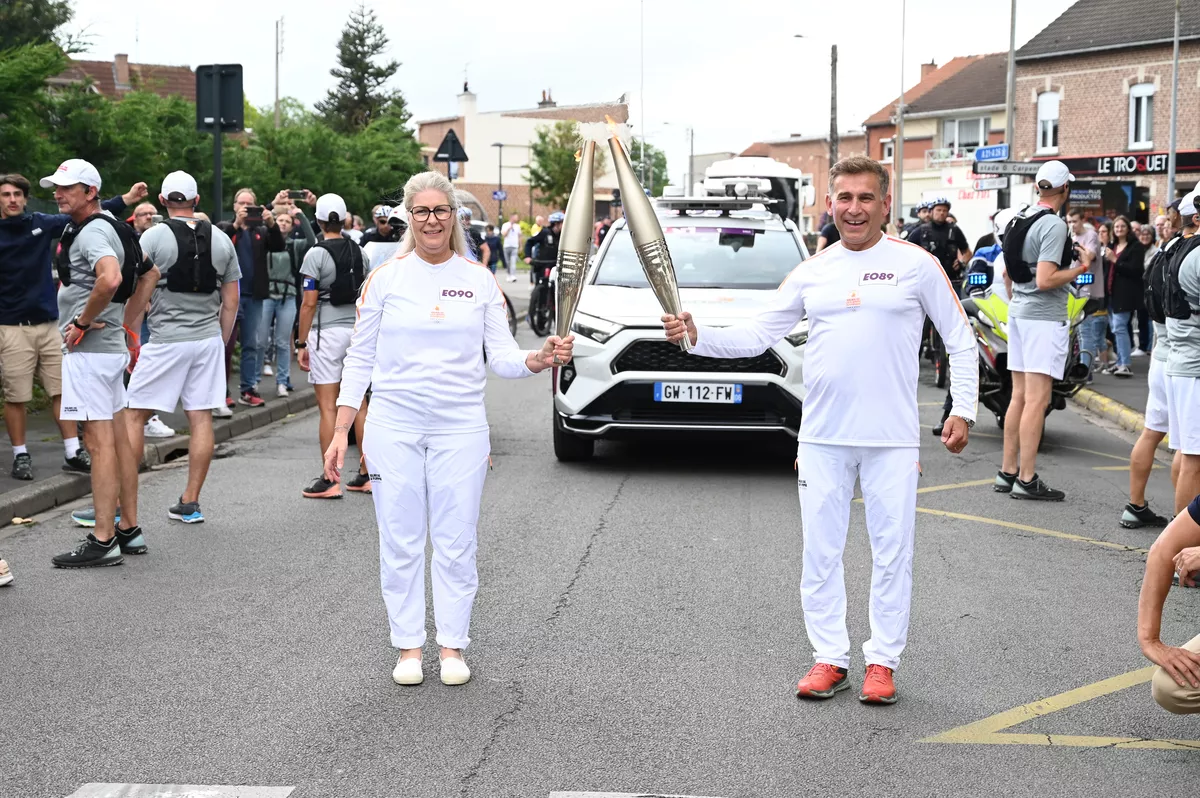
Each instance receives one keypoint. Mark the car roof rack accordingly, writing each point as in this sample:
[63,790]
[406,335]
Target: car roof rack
[723,204]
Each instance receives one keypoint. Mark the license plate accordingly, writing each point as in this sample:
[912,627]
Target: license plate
[697,392]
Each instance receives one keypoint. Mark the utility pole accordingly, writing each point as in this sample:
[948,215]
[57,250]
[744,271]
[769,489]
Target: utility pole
[833,127]
[279,51]
[691,161]
[1174,110]
[898,144]
[500,180]
[642,89]
[1010,97]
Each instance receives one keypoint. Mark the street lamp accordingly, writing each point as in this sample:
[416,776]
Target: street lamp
[500,179]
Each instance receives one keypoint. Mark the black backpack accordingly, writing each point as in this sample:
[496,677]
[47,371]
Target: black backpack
[1175,301]
[348,258]
[132,268]
[1014,243]
[193,271]
[1154,290]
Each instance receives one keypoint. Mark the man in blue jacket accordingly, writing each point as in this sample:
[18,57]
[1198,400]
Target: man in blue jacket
[29,339]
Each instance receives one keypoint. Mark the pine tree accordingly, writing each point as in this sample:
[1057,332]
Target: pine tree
[360,96]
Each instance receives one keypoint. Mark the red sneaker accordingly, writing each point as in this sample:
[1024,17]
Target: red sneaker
[878,687]
[822,681]
[252,398]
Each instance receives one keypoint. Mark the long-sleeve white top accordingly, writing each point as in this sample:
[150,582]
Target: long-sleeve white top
[866,311]
[419,343]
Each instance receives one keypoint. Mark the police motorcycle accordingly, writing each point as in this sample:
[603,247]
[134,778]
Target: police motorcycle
[986,305]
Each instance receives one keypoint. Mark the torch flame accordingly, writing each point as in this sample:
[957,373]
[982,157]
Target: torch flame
[612,125]
[578,156]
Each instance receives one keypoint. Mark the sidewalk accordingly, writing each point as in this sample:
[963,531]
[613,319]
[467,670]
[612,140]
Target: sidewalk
[1121,401]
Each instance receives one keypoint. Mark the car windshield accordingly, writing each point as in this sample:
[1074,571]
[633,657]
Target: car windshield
[708,257]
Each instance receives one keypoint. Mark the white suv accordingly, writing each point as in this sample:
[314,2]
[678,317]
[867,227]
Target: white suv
[730,256]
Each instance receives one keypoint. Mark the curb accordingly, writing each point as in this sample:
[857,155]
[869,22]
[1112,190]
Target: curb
[1123,416]
[64,488]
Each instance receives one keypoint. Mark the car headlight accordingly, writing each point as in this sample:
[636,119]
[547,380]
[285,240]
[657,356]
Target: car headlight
[799,336]
[599,330]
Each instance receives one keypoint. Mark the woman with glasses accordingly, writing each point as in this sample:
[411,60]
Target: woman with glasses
[425,319]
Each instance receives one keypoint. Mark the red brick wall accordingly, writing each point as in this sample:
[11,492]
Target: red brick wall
[1094,106]
[517,202]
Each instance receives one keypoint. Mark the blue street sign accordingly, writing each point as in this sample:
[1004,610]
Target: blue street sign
[997,152]
[499,196]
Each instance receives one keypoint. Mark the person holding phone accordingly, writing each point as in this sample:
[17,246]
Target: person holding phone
[255,234]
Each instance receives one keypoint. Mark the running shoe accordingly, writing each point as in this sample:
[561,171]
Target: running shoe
[156,429]
[267,370]
[222,412]
[1139,352]
[1136,517]
[187,512]
[822,681]
[878,686]
[23,467]
[281,391]
[322,488]
[6,575]
[454,671]
[229,400]
[132,540]
[1037,490]
[361,483]
[1123,372]
[1004,482]
[86,517]
[81,463]
[251,399]
[90,553]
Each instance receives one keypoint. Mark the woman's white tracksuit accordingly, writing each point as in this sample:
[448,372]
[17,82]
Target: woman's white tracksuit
[865,312]
[418,343]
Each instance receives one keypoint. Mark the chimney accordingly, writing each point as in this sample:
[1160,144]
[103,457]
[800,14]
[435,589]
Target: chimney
[121,70]
[466,102]
[547,100]
[928,69]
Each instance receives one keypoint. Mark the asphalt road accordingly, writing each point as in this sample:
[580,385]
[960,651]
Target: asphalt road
[638,630]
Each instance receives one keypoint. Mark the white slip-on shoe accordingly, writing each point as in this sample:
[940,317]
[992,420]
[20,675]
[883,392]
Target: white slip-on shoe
[455,671]
[408,671]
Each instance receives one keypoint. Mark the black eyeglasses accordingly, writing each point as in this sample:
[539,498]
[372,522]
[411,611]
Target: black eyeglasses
[441,213]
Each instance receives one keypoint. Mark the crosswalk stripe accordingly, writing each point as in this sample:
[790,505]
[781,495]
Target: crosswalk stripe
[97,790]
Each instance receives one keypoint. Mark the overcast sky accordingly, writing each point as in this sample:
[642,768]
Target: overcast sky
[730,68]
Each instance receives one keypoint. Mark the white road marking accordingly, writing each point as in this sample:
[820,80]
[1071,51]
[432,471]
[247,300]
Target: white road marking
[178,791]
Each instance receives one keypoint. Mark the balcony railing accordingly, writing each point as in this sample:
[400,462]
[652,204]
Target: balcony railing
[948,155]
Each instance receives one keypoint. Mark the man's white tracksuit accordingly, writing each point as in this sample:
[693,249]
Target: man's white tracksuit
[418,343]
[866,311]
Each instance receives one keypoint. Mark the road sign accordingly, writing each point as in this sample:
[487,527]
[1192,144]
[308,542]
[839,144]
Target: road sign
[219,86]
[500,196]
[1005,168]
[991,183]
[451,149]
[997,152]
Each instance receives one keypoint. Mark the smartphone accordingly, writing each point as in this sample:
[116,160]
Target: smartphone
[254,213]
[1087,278]
[297,195]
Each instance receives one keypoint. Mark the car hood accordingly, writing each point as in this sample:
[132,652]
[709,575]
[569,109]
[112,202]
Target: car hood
[638,307]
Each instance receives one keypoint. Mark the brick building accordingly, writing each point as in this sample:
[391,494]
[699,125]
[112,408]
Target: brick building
[1094,91]
[810,154]
[489,167]
[951,111]
[118,77]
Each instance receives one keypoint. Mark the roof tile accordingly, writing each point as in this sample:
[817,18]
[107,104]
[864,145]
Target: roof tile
[1110,24]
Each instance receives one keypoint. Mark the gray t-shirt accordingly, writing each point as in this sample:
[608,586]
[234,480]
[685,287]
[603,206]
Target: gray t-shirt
[1184,358]
[318,264]
[95,241]
[1044,241]
[175,317]
[1162,345]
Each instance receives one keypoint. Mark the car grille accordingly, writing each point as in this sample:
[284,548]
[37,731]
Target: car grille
[665,356]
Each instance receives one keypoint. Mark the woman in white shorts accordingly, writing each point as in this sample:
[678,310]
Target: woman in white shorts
[425,319]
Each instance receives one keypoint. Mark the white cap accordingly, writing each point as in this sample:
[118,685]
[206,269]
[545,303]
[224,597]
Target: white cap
[1053,174]
[179,187]
[70,172]
[398,214]
[1187,206]
[331,208]
[382,211]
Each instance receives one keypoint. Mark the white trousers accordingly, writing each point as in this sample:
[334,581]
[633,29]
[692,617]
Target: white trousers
[427,485]
[826,478]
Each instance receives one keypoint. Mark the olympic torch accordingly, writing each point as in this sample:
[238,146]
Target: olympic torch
[648,239]
[574,243]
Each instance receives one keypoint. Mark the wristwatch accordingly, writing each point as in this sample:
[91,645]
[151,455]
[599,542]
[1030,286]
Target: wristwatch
[301,344]
[75,322]
[970,423]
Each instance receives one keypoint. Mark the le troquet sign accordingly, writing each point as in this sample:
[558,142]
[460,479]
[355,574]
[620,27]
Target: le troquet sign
[1132,165]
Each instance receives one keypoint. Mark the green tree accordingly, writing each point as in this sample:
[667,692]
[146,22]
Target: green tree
[552,164]
[360,96]
[23,73]
[656,165]
[33,22]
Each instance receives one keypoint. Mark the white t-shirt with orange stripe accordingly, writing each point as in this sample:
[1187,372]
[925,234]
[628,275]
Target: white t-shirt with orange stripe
[419,341]
[866,311]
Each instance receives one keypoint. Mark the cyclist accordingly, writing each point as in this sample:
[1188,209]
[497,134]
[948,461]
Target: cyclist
[541,253]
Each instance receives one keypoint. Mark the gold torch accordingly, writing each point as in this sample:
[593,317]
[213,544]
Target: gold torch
[648,239]
[575,243]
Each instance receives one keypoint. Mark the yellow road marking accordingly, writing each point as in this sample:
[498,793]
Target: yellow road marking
[1121,468]
[1035,529]
[975,483]
[987,731]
